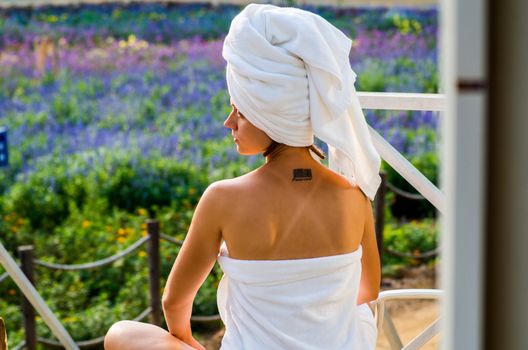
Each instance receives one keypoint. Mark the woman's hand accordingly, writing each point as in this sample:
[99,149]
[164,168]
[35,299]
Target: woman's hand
[370,282]
[195,260]
[189,340]
[194,343]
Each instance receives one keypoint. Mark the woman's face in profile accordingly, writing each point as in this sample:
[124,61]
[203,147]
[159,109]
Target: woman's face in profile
[248,138]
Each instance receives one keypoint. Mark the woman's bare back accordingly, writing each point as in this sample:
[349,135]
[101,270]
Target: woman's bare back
[271,216]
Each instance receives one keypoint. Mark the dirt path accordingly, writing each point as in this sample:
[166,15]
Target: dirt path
[409,324]
[410,317]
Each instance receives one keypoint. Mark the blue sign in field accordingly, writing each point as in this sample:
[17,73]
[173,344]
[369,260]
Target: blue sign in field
[4,155]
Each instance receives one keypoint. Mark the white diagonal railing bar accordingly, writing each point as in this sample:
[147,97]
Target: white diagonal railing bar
[408,171]
[405,101]
[421,339]
[402,101]
[35,299]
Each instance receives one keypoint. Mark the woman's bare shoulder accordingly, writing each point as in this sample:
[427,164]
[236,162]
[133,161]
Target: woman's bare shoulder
[228,187]
[341,182]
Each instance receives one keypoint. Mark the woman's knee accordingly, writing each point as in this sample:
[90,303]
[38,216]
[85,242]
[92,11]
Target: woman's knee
[132,335]
[117,334]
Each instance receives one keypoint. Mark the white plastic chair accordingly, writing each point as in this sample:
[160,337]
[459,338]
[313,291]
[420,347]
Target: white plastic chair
[384,320]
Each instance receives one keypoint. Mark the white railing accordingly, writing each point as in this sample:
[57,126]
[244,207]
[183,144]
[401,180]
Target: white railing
[405,101]
[402,101]
[368,100]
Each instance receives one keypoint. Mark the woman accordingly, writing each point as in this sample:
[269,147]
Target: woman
[294,238]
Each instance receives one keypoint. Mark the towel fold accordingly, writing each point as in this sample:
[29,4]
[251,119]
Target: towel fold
[288,72]
[294,304]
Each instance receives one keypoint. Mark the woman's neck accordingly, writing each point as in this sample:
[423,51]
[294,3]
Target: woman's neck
[292,165]
[284,153]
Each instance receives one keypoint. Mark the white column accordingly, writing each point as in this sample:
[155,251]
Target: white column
[463,171]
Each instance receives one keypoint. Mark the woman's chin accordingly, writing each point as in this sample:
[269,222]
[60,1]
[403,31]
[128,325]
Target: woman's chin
[244,152]
[241,151]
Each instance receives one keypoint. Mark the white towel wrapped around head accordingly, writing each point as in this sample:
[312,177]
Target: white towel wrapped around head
[288,72]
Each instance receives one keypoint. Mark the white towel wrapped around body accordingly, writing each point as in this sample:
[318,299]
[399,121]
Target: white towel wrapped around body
[288,72]
[301,304]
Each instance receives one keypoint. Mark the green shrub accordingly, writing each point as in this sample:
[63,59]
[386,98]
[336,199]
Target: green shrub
[47,195]
[372,78]
[86,207]
[44,195]
[427,164]
[414,237]
[150,183]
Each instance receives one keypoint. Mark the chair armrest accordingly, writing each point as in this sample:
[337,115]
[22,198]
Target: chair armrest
[399,294]
[396,294]
[380,313]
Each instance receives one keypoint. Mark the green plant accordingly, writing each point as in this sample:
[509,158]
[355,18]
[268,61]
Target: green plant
[151,182]
[414,237]
[427,164]
[43,198]
[373,77]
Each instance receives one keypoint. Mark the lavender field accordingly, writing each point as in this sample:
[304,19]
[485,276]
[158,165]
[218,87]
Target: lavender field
[118,117]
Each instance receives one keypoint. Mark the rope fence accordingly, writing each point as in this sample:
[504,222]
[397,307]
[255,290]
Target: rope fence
[152,240]
[95,264]
[380,220]
[424,255]
[3,276]
[91,342]
[171,239]
[20,345]
[405,194]
[205,319]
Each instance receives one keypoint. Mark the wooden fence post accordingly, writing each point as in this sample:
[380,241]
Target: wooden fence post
[380,213]
[153,229]
[26,256]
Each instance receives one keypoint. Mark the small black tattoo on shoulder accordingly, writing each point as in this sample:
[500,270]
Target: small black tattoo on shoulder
[302,174]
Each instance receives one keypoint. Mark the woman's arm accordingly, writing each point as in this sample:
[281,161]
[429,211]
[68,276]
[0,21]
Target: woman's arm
[369,285]
[195,260]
